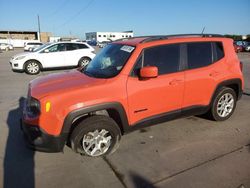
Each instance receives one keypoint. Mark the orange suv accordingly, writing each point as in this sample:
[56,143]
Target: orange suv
[132,83]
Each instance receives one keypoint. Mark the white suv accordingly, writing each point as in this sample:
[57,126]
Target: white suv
[53,55]
[29,46]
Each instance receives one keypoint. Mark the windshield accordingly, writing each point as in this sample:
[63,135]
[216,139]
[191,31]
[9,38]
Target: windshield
[41,47]
[109,62]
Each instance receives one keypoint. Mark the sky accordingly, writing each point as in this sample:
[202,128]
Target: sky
[144,17]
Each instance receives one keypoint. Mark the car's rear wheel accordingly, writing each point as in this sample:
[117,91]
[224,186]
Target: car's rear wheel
[84,61]
[224,104]
[32,67]
[96,136]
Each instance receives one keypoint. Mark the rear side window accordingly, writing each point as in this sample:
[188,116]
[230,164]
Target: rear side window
[199,54]
[82,46]
[71,46]
[218,51]
[165,57]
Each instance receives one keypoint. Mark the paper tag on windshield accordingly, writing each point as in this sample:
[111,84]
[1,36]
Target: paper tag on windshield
[128,49]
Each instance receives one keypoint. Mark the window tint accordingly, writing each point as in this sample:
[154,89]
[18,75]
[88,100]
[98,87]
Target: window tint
[36,44]
[33,43]
[72,46]
[199,54]
[137,67]
[166,58]
[219,51]
[82,46]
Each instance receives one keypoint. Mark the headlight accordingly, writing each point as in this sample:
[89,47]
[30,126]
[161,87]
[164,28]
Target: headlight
[19,58]
[33,107]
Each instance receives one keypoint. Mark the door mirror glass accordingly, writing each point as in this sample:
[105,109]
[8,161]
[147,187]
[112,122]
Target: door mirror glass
[46,51]
[149,72]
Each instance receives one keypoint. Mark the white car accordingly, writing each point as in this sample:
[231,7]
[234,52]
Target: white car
[53,55]
[29,46]
[247,48]
[6,47]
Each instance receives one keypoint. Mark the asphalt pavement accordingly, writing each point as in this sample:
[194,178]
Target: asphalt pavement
[190,152]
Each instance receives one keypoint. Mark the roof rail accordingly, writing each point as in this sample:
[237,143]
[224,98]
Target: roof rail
[128,38]
[162,37]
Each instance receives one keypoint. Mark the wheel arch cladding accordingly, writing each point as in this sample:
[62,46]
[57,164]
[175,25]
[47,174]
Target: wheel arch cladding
[234,84]
[115,111]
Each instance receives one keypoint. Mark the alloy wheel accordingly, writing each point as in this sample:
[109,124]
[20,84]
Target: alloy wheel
[96,143]
[225,105]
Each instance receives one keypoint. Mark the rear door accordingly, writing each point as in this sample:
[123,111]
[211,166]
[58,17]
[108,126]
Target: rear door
[74,52]
[204,70]
[150,97]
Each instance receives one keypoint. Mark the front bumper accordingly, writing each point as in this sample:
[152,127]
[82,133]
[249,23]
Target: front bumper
[16,65]
[41,141]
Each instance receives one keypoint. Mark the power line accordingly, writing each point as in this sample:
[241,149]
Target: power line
[77,13]
[59,8]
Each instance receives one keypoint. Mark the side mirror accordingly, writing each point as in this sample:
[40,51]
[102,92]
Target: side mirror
[46,51]
[149,72]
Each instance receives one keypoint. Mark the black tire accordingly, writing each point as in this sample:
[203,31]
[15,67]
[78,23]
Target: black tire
[213,113]
[83,62]
[32,67]
[85,129]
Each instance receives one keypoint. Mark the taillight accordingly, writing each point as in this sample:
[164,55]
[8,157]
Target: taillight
[241,66]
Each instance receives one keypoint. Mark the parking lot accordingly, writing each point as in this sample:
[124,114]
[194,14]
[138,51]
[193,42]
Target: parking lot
[188,152]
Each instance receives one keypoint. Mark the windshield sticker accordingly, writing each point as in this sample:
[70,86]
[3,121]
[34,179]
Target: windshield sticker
[128,49]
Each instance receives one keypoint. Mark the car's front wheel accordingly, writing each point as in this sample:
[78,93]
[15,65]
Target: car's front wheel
[32,67]
[223,104]
[96,136]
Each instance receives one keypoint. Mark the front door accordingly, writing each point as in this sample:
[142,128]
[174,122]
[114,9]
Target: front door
[148,98]
[53,56]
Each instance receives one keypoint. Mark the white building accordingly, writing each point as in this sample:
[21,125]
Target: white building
[108,36]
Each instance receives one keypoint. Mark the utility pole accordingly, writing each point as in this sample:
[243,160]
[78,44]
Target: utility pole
[39,30]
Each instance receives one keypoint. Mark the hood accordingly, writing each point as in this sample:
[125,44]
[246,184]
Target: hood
[22,54]
[61,83]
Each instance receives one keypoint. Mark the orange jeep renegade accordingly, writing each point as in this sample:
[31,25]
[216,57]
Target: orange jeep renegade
[130,84]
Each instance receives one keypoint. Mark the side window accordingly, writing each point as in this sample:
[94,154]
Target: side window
[72,46]
[199,54]
[57,48]
[82,46]
[218,51]
[165,57]
[137,67]
[53,48]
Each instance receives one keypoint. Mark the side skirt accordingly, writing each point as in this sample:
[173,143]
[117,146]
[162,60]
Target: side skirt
[168,116]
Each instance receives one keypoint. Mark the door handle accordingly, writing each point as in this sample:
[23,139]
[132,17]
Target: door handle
[214,74]
[175,82]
